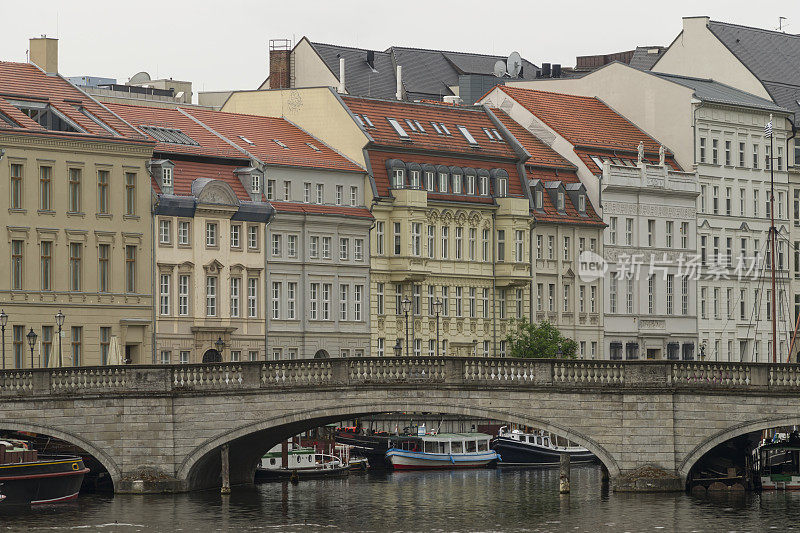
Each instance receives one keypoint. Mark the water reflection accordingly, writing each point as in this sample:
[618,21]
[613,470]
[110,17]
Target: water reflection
[469,500]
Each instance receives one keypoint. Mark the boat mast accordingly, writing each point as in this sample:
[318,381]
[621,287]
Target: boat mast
[773,235]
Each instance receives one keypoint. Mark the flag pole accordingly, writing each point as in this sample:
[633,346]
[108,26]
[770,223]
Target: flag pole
[773,235]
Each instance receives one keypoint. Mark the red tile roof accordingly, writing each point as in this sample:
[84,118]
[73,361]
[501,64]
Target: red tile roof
[583,121]
[186,172]
[316,209]
[24,81]
[472,118]
[541,154]
[586,157]
[261,131]
[378,161]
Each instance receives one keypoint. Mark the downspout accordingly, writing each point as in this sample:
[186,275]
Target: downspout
[265,299]
[494,283]
[153,273]
[531,227]
[694,134]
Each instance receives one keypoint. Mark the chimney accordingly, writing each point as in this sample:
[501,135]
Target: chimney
[341,75]
[545,70]
[371,59]
[44,53]
[399,93]
[279,58]
[556,70]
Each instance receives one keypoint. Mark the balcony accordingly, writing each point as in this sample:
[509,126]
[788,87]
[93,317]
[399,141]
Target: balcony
[509,274]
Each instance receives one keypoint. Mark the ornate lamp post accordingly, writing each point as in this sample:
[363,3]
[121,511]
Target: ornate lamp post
[60,322]
[437,307]
[406,308]
[220,344]
[3,322]
[32,342]
[398,348]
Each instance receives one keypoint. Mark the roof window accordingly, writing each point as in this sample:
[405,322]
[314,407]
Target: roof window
[436,127]
[86,113]
[497,135]
[488,133]
[368,121]
[358,118]
[444,128]
[47,116]
[168,135]
[313,147]
[411,125]
[280,143]
[248,141]
[398,128]
[7,120]
[419,126]
[467,135]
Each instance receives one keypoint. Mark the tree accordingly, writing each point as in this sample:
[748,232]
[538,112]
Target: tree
[538,341]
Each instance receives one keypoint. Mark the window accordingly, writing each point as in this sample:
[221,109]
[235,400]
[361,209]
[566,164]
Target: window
[459,298]
[211,234]
[685,295]
[414,179]
[459,242]
[715,151]
[46,265]
[485,244]
[551,297]
[445,301]
[326,247]
[358,250]
[593,299]
[291,243]
[728,200]
[669,235]
[501,303]
[45,188]
[470,187]
[236,356]
[74,190]
[651,229]
[320,193]
[236,235]
[483,185]
[339,193]
[613,287]
[756,155]
[130,193]
[551,245]
[473,237]
[430,184]
[313,301]
[443,182]
[255,184]
[270,190]
[353,195]
[501,245]
[313,247]
[779,159]
[431,241]
[629,297]
[715,200]
[184,357]
[183,233]
[501,185]
[398,128]
[755,203]
[727,153]
[485,302]
[416,238]
[358,296]
[130,269]
[102,191]
[741,154]
[47,344]
[75,267]
[287,190]
[164,231]
[277,240]
[467,135]
[629,231]
[307,193]
[183,295]
[519,245]
[702,149]
[379,297]
[344,249]
[445,241]
[236,290]
[252,237]
[396,238]
[326,301]
[379,234]
[19,346]
[291,298]
[17,270]
[164,293]
[471,302]
[103,257]
[211,296]
[77,345]
[16,186]
[344,291]
[276,299]
[381,347]
[767,157]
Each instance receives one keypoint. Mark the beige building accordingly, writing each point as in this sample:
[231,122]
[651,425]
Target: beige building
[75,187]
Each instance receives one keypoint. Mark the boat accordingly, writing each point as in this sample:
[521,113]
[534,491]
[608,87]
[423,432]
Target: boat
[518,448]
[372,445]
[776,462]
[301,463]
[30,478]
[442,451]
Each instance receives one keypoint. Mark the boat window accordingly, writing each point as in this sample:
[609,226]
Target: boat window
[457,446]
[483,445]
[431,447]
[546,441]
[299,459]
[470,446]
[527,439]
[272,462]
[539,440]
[443,447]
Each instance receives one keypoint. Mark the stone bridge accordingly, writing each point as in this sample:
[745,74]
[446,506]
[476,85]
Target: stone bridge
[168,423]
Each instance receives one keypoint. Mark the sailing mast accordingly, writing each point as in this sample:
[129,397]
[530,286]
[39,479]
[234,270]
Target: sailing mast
[773,235]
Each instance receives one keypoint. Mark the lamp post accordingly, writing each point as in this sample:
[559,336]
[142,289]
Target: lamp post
[406,308]
[398,348]
[32,342]
[220,344]
[3,322]
[437,306]
[60,322]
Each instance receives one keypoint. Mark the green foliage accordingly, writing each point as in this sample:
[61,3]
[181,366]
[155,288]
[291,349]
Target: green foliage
[539,341]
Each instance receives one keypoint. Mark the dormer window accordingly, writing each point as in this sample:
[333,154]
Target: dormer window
[430,178]
[582,203]
[414,179]
[256,183]
[442,182]
[456,184]
[470,185]
[46,116]
[483,185]
[560,201]
[166,177]
[538,199]
[502,187]
[398,178]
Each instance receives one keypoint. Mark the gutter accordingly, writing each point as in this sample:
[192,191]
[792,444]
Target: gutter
[154,274]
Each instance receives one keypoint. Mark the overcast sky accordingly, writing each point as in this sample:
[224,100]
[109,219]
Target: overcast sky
[224,44]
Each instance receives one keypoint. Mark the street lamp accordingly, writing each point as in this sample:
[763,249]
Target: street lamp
[406,308]
[32,342]
[437,307]
[60,322]
[398,348]
[220,344]
[3,322]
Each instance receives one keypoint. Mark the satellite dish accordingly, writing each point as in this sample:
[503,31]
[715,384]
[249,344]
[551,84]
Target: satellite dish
[500,68]
[140,77]
[514,64]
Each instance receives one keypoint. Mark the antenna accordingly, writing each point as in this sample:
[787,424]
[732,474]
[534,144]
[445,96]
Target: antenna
[500,68]
[780,23]
[514,64]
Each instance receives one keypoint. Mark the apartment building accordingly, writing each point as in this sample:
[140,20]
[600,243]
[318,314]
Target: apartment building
[76,195]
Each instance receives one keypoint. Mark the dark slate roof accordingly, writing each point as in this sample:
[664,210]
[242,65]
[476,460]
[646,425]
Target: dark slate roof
[644,58]
[427,74]
[716,92]
[772,56]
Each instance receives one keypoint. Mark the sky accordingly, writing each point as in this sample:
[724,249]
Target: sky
[223,45]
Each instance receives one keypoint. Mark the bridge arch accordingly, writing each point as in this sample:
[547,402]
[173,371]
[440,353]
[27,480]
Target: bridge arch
[282,427]
[726,434]
[102,457]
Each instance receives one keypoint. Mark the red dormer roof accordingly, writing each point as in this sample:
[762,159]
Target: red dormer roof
[474,119]
[316,209]
[186,172]
[26,82]
[299,149]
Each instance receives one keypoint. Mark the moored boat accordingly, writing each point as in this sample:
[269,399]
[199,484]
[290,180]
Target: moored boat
[27,478]
[443,451]
[370,445]
[302,463]
[517,448]
[776,463]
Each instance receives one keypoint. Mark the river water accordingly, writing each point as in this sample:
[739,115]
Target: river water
[465,500]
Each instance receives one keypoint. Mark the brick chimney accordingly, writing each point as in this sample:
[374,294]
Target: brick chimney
[279,63]
[44,53]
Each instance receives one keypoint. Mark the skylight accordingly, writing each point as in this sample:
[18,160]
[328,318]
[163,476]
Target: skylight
[444,128]
[46,116]
[86,113]
[7,120]
[368,121]
[419,126]
[411,125]
[467,135]
[497,134]
[436,127]
[358,118]
[168,135]
[279,143]
[248,141]
[488,133]
[398,128]
[313,147]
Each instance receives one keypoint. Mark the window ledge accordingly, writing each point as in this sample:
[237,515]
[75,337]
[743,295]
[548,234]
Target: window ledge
[104,215]
[130,217]
[46,212]
[165,245]
[76,214]
[18,210]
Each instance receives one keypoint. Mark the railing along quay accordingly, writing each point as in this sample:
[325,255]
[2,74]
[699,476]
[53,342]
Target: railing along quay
[454,371]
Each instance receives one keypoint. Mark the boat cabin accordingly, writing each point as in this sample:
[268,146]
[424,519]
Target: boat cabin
[456,443]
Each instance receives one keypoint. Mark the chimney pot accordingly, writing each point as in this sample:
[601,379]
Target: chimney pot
[341,76]
[399,93]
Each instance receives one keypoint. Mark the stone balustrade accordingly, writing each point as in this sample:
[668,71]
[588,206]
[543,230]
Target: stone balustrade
[455,371]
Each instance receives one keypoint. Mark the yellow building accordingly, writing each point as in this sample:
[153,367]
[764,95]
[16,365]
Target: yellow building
[78,240]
